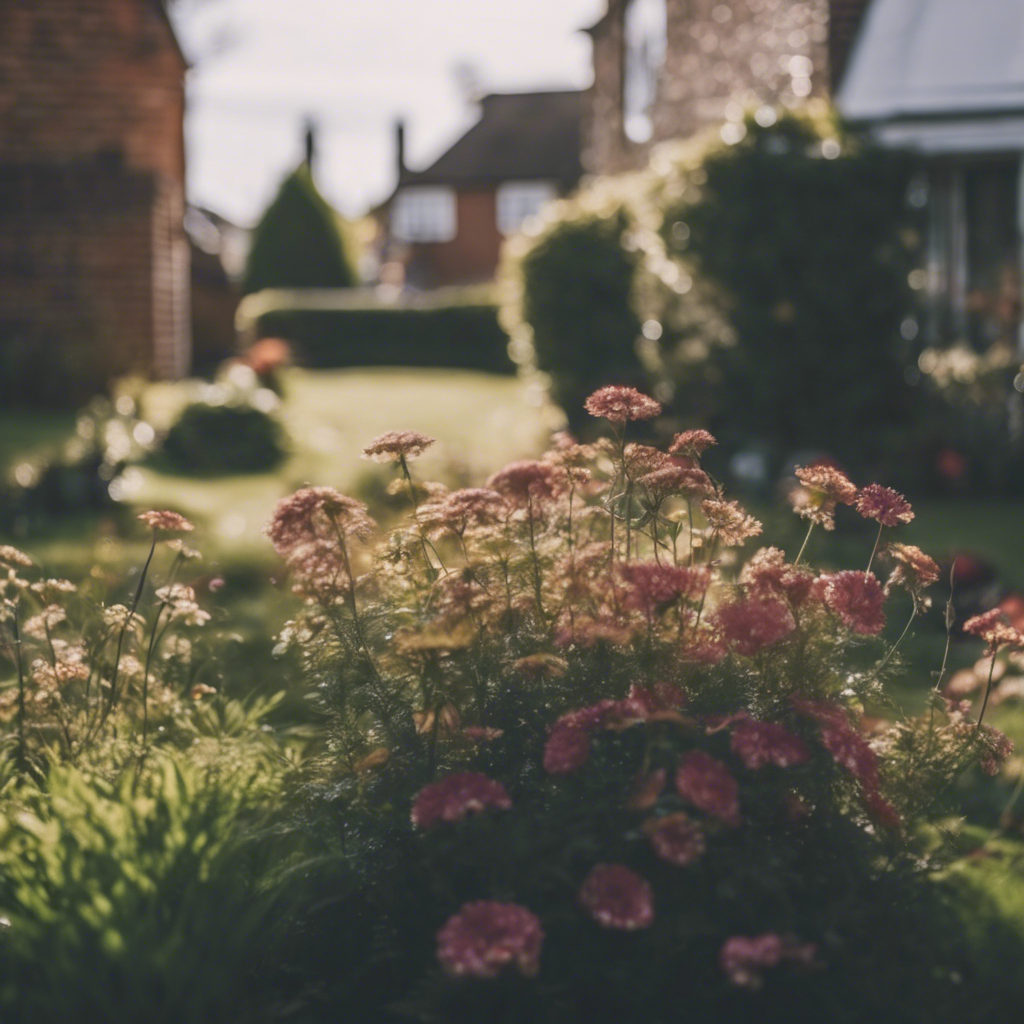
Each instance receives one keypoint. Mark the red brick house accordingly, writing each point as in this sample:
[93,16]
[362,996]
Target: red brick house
[445,224]
[93,257]
[664,69]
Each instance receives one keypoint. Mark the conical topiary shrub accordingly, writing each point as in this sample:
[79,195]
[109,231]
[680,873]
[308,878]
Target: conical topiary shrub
[299,242]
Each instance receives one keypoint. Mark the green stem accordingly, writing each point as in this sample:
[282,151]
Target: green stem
[988,690]
[804,545]
[22,747]
[874,550]
[892,650]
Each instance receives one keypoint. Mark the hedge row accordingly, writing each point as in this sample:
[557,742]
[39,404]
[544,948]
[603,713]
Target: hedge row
[449,334]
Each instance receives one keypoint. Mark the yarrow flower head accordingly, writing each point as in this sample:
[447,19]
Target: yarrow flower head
[753,623]
[676,839]
[744,958]
[914,569]
[457,511]
[705,782]
[824,487]
[650,587]
[618,404]
[768,575]
[884,505]
[317,514]
[857,598]
[692,443]
[729,522]
[396,445]
[13,558]
[674,479]
[168,522]
[452,798]
[485,937]
[617,897]
[993,628]
[528,480]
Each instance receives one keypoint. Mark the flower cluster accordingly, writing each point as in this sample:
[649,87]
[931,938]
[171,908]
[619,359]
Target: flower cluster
[577,629]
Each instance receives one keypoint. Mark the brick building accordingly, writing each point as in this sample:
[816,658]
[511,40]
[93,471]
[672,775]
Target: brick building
[93,256]
[445,224]
[664,69]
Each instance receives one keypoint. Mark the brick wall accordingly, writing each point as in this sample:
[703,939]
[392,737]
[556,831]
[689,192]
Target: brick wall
[719,52]
[93,256]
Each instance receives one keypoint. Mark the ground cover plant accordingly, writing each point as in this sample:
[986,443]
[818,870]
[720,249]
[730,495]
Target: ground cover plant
[138,782]
[592,759]
[579,747]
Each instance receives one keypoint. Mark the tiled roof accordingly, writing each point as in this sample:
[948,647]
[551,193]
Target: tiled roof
[520,136]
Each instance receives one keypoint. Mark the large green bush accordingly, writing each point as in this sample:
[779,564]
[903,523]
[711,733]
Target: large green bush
[455,328]
[807,239]
[762,281]
[299,243]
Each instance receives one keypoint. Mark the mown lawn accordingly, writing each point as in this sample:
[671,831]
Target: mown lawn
[481,422]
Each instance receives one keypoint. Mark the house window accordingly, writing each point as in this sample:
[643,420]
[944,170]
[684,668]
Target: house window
[646,31]
[518,200]
[974,252]
[424,214]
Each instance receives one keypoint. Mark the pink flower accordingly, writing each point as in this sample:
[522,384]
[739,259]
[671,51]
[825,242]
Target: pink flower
[618,404]
[914,569]
[731,525]
[651,587]
[527,480]
[823,488]
[692,443]
[751,624]
[706,783]
[451,799]
[485,937]
[857,598]
[396,445]
[687,481]
[847,746]
[642,458]
[744,958]
[456,512]
[567,749]
[993,628]
[317,514]
[768,575]
[884,505]
[169,522]
[757,744]
[617,897]
[676,838]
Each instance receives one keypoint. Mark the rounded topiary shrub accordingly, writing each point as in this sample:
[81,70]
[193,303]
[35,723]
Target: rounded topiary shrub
[211,439]
[299,242]
[573,285]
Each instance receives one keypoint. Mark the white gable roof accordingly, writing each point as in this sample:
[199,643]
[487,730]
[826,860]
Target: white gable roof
[918,58]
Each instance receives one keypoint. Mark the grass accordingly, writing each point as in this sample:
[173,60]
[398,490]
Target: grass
[481,422]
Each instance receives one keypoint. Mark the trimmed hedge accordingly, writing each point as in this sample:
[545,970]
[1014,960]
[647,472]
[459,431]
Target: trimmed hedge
[441,332]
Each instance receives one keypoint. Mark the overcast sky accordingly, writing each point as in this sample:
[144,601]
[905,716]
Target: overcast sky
[262,66]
